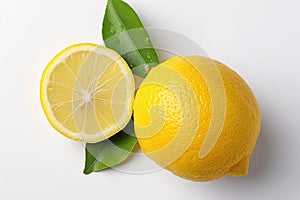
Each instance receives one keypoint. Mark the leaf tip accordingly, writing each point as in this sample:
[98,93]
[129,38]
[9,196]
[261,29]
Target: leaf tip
[87,171]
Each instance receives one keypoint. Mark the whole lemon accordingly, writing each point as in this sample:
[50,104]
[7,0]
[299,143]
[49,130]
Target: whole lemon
[197,118]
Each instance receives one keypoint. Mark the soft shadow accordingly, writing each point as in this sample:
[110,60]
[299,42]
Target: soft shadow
[264,154]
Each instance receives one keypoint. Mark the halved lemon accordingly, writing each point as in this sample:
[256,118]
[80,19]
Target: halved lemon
[87,92]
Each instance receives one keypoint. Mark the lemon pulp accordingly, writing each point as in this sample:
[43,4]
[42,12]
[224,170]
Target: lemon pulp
[87,92]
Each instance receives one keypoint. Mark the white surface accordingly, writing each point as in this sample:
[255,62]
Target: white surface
[258,39]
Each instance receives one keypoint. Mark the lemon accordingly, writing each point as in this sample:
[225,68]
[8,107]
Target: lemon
[197,118]
[87,92]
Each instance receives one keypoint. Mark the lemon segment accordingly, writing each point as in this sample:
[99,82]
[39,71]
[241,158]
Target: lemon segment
[87,92]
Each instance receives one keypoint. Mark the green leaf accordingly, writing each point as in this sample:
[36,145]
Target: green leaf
[109,152]
[123,31]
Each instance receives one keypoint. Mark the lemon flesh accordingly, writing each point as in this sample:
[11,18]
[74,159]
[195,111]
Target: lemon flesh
[197,118]
[87,92]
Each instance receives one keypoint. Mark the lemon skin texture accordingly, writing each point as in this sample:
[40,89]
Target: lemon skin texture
[197,118]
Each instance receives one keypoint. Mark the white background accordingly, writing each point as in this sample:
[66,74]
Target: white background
[257,38]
